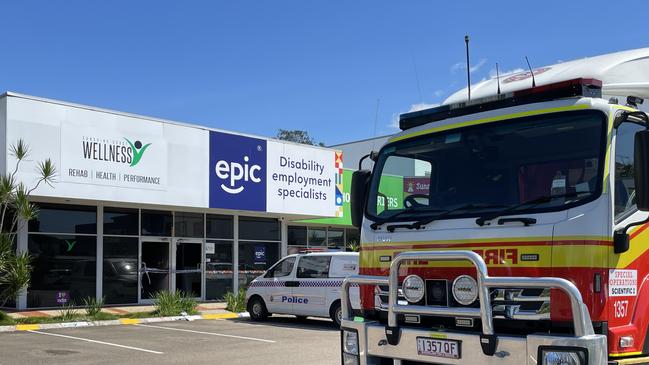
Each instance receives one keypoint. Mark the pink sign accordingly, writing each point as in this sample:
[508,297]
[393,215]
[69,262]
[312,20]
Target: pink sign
[416,185]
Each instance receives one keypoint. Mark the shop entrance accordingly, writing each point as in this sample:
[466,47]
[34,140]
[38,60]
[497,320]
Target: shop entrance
[189,266]
[155,268]
[165,266]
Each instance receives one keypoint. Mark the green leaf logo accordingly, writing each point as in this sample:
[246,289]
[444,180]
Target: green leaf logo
[70,245]
[138,150]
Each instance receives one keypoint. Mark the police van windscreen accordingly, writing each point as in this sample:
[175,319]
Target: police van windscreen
[490,167]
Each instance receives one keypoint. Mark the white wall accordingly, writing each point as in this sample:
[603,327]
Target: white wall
[94,152]
[184,163]
[353,151]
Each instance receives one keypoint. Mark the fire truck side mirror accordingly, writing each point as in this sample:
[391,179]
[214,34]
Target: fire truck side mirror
[360,184]
[641,170]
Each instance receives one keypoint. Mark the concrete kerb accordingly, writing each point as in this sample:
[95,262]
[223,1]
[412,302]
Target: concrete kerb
[122,321]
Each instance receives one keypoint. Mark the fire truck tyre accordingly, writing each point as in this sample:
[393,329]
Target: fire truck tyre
[257,309]
[336,313]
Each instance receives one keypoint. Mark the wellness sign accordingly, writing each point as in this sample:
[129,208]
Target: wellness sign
[263,175]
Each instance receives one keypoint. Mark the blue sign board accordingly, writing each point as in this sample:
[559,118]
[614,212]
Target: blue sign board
[237,172]
[260,255]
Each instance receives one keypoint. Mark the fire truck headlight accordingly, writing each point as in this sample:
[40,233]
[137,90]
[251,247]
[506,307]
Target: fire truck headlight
[562,356]
[465,290]
[413,288]
[350,342]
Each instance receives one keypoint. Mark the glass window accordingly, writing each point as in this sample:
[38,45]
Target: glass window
[556,158]
[317,236]
[312,267]
[283,268]
[624,181]
[218,269]
[156,223]
[189,225]
[254,259]
[64,219]
[264,229]
[121,221]
[296,236]
[335,237]
[120,270]
[64,269]
[353,235]
[220,226]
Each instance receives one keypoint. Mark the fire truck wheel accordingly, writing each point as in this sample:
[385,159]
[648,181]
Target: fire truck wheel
[336,313]
[257,309]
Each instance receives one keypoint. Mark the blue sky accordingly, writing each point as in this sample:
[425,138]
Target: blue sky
[256,66]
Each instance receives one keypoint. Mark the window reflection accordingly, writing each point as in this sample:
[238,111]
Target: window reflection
[64,269]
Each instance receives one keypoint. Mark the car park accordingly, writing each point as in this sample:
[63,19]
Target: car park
[303,285]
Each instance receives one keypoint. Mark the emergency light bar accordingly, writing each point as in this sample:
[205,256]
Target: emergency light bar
[565,89]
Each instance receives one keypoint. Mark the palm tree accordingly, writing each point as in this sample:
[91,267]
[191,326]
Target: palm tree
[15,268]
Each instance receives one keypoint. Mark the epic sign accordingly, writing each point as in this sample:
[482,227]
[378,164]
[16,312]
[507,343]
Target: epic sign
[272,176]
[238,171]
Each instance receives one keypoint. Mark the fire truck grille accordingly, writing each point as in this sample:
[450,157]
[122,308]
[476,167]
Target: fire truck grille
[519,304]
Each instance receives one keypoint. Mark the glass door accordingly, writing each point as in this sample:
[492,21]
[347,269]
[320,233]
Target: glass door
[189,266]
[154,267]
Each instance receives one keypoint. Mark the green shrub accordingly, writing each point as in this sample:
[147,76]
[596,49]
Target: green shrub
[173,303]
[93,305]
[68,313]
[5,319]
[236,302]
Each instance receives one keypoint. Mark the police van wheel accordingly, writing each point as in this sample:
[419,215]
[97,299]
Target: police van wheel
[257,309]
[336,313]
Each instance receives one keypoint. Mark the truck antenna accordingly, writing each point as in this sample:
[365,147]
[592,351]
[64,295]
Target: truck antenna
[532,72]
[468,67]
[498,78]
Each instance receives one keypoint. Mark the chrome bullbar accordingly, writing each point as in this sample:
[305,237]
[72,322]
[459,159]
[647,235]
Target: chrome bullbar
[584,335]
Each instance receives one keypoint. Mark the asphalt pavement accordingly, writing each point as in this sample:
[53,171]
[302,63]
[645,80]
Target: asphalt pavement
[280,340]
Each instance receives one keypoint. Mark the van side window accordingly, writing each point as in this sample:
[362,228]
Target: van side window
[284,268]
[342,267]
[624,188]
[311,267]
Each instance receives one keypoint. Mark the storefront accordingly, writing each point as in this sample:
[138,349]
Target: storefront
[142,204]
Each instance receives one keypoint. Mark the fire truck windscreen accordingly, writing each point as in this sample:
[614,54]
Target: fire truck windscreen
[470,171]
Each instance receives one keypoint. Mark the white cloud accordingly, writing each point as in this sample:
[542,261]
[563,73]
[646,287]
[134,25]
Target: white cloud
[394,122]
[438,93]
[462,66]
[492,72]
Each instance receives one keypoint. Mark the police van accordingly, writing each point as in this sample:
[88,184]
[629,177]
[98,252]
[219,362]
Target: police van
[303,285]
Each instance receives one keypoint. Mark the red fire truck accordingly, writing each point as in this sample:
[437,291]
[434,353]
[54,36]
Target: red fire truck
[526,241]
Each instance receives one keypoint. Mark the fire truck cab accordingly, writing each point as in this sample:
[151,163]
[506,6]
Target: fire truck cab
[521,234]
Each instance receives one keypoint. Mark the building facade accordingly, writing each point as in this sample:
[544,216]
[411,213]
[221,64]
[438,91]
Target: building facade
[142,204]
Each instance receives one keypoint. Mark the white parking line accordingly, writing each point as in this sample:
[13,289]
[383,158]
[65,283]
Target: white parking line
[98,342]
[205,333]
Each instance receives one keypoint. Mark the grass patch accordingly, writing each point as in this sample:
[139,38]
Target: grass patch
[138,315]
[102,316]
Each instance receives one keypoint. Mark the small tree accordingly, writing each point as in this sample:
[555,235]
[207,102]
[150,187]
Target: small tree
[297,136]
[15,268]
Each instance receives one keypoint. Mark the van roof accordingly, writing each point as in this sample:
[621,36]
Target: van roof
[328,253]
[622,74]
